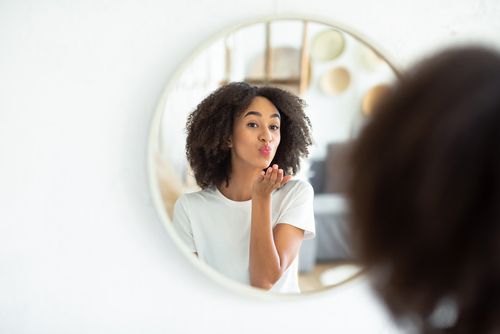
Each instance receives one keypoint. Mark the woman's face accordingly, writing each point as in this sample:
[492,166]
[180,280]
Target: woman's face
[256,134]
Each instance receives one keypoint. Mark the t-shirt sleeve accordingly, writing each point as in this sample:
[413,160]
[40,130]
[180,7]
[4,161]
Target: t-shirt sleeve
[182,224]
[298,210]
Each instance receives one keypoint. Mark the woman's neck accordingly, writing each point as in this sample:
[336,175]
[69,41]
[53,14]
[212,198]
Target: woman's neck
[240,184]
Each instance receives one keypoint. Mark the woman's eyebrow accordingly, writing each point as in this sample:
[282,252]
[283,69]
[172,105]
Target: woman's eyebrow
[256,113]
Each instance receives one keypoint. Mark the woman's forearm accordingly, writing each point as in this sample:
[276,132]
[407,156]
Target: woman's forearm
[264,265]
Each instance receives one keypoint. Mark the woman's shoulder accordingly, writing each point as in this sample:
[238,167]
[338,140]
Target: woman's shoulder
[298,186]
[196,196]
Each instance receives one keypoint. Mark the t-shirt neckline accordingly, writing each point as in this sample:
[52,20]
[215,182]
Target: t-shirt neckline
[230,201]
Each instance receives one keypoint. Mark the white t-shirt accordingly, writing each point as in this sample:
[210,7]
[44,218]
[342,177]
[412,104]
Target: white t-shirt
[218,228]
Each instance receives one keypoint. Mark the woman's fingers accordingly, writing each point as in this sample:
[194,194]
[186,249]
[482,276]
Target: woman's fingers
[274,175]
[267,176]
[277,175]
[279,178]
[272,178]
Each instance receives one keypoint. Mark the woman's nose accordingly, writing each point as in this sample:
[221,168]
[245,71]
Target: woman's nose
[266,136]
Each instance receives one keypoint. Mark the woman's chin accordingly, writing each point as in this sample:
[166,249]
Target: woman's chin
[262,164]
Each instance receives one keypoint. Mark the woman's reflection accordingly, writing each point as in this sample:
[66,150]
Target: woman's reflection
[244,144]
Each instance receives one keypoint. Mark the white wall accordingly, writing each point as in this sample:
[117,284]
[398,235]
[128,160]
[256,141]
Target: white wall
[82,249]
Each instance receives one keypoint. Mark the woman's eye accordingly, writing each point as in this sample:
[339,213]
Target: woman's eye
[274,127]
[252,125]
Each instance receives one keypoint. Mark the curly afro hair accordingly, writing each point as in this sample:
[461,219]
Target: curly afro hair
[210,125]
[425,193]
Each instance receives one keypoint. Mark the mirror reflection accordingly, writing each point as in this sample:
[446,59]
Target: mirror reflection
[283,229]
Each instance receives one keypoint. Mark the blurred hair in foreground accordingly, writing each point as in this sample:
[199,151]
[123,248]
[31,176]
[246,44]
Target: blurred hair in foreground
[425,194]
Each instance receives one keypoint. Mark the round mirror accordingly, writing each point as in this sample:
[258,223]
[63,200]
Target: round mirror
[337,74]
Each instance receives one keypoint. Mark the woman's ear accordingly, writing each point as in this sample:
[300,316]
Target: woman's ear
[230,143]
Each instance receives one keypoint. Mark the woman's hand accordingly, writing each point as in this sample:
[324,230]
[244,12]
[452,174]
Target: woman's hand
[269,180]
